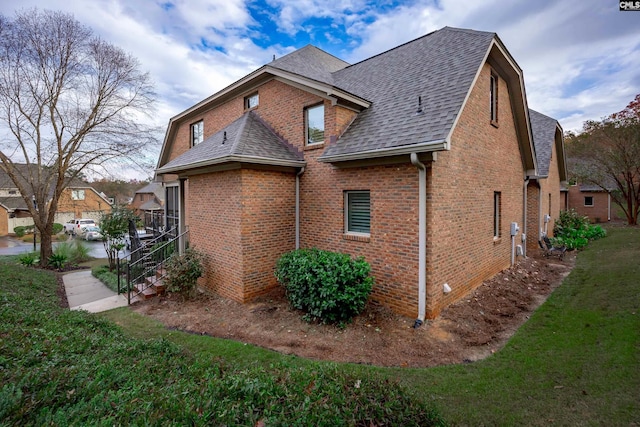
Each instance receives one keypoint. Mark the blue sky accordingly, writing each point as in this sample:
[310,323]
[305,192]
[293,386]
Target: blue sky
[581,59]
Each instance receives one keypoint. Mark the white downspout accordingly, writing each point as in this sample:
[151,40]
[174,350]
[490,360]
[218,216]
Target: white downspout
[298,207]
[608,206]
[524,217]
[422,239]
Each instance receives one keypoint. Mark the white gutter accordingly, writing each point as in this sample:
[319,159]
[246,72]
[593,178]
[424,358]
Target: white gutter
[422,238]
[430,146]
[298,207]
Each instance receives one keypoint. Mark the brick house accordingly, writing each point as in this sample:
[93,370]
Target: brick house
[148,204]
[415,158]
[591,201]
[544,198]
[78,200]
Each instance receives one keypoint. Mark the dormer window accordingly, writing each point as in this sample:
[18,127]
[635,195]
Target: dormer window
[493,98]
[314,124]
[197,133]
[251,101]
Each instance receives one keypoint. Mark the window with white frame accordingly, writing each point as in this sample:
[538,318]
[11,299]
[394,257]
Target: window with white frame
[497,206]
[588,200]
[357,210]
[493,98]
[251,101]
[197,133]
[77,194]
[314,124]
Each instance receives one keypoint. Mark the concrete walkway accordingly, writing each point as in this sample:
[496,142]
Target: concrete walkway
[85,292]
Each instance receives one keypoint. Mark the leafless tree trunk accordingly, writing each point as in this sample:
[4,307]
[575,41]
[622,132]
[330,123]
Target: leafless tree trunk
[69,102]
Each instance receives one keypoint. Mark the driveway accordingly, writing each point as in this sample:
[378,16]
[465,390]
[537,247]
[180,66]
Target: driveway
[12,246]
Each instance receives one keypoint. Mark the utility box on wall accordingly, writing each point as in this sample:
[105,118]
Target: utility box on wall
[514,228]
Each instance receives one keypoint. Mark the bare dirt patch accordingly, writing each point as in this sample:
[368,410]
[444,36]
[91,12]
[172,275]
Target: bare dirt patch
[468,330]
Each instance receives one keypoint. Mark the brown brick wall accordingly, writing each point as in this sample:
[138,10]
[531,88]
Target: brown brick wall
[91,203]
[268,226]
[214,229]
[392,248]
[244,219]
[483,159]
[533,217]
[4,222]
[596,213]
[550,189]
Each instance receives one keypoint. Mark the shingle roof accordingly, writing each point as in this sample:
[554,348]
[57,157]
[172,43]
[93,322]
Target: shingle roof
[154,188]
[25,171]
[150,205]
[439,67]
[543,129]
[13,203]
[247,139]
[310,62]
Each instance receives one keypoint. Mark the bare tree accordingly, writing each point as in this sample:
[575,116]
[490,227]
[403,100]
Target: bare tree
[607,154]
[69,102]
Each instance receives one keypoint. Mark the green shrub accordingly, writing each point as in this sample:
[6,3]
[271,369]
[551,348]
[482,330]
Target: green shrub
[75,252]
[28,259]
[20,230]
[79,252]
[58,260]
[574,231]
[57,228]
[329,286]
[106,276]
[162,251]
[183,272]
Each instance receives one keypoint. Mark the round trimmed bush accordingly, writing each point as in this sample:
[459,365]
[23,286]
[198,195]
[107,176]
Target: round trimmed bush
[329,286]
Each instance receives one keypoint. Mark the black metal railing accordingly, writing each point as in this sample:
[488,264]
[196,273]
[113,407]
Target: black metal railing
[145,264]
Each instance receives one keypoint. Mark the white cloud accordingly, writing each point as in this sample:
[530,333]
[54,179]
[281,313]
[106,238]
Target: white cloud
[560,45]
[581,60]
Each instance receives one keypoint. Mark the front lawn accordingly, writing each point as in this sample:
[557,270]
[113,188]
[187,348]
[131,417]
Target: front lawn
[576,362]
[61,367]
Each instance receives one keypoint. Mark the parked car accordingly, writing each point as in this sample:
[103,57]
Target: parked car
[91,232]
[74,226]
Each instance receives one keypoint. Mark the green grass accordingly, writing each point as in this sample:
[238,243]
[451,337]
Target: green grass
[61,367]
[576,362]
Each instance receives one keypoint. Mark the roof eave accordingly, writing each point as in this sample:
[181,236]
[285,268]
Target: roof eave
[231,159]
[262,74]
[425,147]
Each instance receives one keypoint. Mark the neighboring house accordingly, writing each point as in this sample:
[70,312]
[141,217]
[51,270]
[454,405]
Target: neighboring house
[148,204]
[13,213]
[544,198]
[591,201]
[78,200]
[415,159]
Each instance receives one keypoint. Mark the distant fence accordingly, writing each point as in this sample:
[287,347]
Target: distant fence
[19,222]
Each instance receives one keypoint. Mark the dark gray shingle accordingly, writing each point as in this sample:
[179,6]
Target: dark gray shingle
[543,129]
[310,62]
[439,67]
[246,138]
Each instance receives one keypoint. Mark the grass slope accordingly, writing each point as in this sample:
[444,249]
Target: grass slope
[575,362]
[61,367]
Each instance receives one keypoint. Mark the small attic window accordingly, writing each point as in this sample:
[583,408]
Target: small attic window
[197,133]
[493,98]
[314,124]
[251,101]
